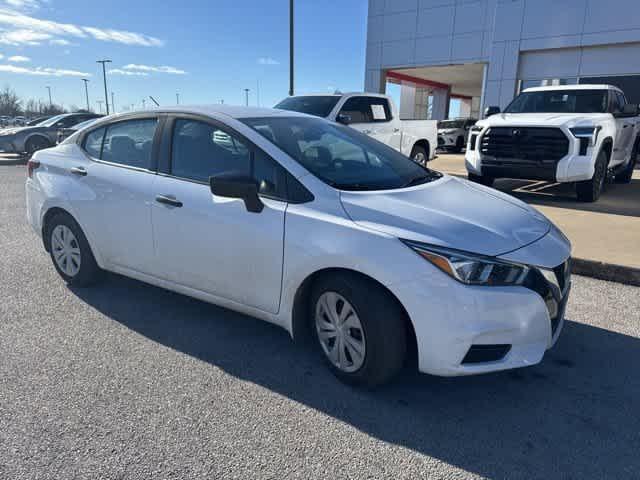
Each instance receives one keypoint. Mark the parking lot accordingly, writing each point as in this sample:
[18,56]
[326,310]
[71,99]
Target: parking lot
[126,380]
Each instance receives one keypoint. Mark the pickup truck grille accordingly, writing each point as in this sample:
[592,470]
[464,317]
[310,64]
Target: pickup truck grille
[525,144]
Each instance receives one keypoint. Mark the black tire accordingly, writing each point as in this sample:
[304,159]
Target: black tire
[418,153]
[383,326]
[590,190]
[34,144]
[89,271]
[627,174]
[481,179]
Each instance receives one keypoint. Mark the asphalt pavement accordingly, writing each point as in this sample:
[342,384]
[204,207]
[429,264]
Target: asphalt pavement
[128,381]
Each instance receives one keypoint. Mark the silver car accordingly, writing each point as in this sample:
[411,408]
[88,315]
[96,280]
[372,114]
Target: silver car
[43,135]
[453,134]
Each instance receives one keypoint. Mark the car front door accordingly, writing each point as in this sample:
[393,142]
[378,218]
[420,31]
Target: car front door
[372,116]
[113,188]
[213,244]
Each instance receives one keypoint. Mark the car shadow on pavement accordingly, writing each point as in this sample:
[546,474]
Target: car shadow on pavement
[617,199]
[573,416]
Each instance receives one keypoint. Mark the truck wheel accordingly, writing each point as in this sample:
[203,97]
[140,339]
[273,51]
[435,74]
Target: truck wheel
[481,179]
[420,155]
[626,175]
[590,190]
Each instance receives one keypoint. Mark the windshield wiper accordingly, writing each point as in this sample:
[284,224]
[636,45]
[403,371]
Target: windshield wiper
[421,179]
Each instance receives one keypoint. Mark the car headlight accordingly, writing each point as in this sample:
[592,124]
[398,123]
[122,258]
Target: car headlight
[476,128]
[469,268]
[590,133]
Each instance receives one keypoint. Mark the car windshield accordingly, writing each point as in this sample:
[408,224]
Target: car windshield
[52,120]
[318,105]
[560,101]
[341,156]
[451,124]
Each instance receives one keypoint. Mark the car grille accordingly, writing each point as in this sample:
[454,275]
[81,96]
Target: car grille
[525,144]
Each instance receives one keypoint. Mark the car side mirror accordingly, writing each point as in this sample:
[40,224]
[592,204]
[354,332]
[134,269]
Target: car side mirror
[493,110]
[238,186]
[343,119]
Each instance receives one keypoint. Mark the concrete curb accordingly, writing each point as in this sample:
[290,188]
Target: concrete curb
[606,271]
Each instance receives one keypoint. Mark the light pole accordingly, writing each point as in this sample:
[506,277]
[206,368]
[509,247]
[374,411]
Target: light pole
[99,102]
[86,92]
[246,97]
[113,103]
[50,102]
[104,76]
[290,47]
[177,98]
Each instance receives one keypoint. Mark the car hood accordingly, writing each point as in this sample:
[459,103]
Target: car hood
[543,119]
[449,212]
[14,130]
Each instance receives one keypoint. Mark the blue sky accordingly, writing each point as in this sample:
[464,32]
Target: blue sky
[205,50]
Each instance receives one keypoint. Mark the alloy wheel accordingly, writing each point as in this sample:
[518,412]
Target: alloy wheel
[420,158]
[340,332]
[66,250]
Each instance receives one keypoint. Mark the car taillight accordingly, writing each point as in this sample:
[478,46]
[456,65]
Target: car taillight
[31,166]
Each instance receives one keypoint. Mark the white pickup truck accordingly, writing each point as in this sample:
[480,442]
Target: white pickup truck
[372,114]
[574,133]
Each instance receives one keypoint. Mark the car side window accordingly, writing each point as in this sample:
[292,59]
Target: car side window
[367,109]
[616,106]
[93,142]
[129,142]
[200,150]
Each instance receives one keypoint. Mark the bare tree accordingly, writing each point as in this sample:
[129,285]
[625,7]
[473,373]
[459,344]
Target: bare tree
[10,103]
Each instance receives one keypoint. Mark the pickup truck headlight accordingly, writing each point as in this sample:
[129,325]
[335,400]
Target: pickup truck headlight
[469,268]
[588,136]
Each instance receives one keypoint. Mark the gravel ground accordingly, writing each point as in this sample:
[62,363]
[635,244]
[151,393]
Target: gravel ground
[129,381]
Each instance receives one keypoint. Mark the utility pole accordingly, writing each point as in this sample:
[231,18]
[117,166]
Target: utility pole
[177,98]
[86,92]
[50,102]
[99,102]
[113,103]
[258,91]
[246,97]
[104,76]
[290,47]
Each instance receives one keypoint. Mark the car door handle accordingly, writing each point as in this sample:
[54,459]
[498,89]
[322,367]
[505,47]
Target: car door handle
[169,200]
[396,130]
[81,171]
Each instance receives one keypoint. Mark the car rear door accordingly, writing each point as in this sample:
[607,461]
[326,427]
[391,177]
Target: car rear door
[209,243]
[112,190]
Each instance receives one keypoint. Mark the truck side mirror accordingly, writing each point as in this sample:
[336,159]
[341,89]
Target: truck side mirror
[343,119]
[630,110]
[493,110]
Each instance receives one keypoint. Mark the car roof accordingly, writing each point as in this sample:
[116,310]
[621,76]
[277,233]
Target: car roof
[215,110]
[572,87]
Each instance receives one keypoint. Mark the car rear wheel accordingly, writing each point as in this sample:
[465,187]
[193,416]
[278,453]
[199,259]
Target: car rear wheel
[420,155]
[481,179]
[36,143]
[360,329]
[590,190]
[70,252]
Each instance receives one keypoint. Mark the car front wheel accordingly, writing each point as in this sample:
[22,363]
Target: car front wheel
[360,329]
[590,190]
[70,252]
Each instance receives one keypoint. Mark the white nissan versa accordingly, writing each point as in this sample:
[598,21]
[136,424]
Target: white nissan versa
[310,225]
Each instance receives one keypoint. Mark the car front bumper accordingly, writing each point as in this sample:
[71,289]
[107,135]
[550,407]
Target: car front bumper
[453,323]
[573,167]
[7,145]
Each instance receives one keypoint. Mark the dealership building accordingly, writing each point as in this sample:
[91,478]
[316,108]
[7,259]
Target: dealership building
[483,52]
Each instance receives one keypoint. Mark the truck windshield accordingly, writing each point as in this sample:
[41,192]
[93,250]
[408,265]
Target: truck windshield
[318,105]
[560,101]
[340,156]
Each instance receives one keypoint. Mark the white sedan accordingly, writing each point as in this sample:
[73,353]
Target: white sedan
[309,225]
